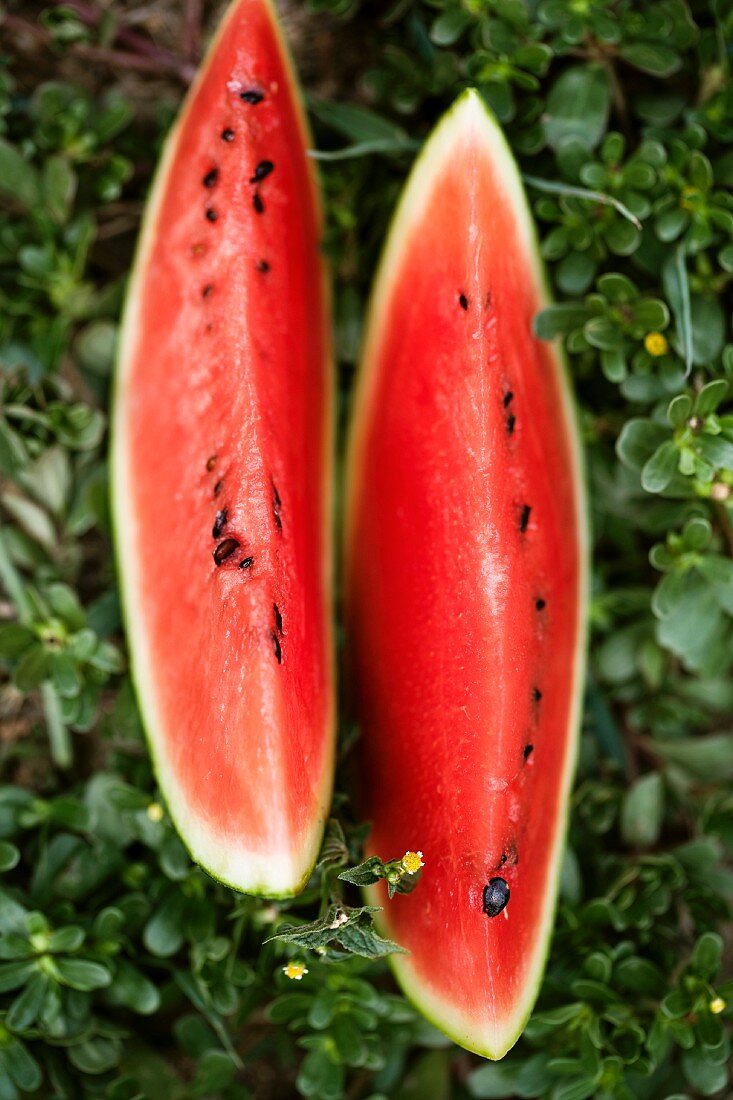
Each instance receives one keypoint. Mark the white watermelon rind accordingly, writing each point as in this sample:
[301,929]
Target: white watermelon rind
[275,874]
[470,113]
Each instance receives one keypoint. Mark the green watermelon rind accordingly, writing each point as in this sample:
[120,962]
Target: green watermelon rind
[470,110]
[253,873]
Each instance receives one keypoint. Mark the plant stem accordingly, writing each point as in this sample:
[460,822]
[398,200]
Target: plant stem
[58,733]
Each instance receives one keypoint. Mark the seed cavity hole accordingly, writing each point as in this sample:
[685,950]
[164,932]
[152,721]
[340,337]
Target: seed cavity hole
[527,751]
[276,506]
[524,517]
[278,618]
[220,523]
[277,648]
[252,96]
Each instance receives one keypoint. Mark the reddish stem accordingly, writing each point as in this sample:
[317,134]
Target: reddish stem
[191,30]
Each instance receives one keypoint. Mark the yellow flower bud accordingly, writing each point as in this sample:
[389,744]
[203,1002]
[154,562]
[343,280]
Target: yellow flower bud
[656,344]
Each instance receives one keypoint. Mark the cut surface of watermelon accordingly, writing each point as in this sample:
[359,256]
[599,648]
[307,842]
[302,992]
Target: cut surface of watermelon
[465,586]
[222,470]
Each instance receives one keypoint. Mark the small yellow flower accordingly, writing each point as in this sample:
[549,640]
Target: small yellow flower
[717,1006]
[412,862]
[656,344]
[295,970]
[155,811]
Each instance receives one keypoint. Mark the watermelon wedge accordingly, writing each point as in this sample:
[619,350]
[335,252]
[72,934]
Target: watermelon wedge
[465,585]
[222,470]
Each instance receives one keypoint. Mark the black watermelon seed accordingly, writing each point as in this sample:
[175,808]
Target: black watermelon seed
[536,695]
[463,301]
[540,604]
[263,266]
[211,462]
[206,291]
[524,517]
[246,563]
[496,897]
[220,523]
[258,203]
[225,550]
[278,618]
[262,171]
[218,487]
[211,177]
[511,420]
[252,95]
[508,398]
[227,134]
[276,647]
[528,750]
[211,214]
[504,858]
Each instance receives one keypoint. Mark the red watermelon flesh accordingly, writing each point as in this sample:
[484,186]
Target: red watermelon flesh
[465,581]
[222,469]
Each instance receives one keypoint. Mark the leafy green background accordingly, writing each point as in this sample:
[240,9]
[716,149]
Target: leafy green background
[124,970]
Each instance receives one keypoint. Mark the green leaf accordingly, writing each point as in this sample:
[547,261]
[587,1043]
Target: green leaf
[163,934]
[59,187]
[642,811]
[706,758]
[659,470]
[9,856]
[706,1077]
[366,873]
[83,974]
[22,1067]
[581,193]
[356,123]
[651,57]
[15,974]
[718,572]
[677,289]
[707,956]
[17,177]
[362,939]
[449,26]
[716,450]
[577,106]
[558,320]
[638,441]
[710,396]
[25,1009]
[708,328]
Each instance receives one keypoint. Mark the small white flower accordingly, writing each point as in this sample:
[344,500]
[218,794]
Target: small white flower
[338,920]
